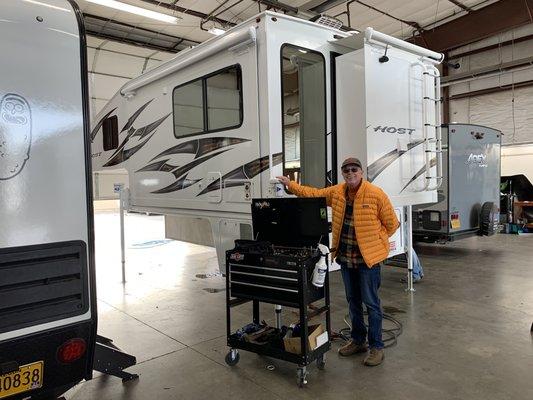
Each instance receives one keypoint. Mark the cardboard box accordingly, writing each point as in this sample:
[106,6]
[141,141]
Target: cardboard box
[293,344]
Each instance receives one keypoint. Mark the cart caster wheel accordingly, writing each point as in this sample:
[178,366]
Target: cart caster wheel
[321,362]
[302,376]
[232,358]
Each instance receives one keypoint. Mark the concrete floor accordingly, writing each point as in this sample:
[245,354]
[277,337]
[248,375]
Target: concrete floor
[466,330]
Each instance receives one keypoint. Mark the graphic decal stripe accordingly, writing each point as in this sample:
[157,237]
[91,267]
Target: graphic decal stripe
[186,168]
[121,155]
[277,159]
[200,147]
[124,155]
[182,172]
[159,166]
[378,166]
[244,172]
[432,163]
[119,152]
[146,130]
[99,124]
[180,184]
[135,115]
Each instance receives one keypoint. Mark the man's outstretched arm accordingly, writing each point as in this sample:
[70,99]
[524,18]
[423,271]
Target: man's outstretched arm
[306,191]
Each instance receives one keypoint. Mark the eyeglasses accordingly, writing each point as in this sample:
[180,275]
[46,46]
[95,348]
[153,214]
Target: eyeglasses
[348,170]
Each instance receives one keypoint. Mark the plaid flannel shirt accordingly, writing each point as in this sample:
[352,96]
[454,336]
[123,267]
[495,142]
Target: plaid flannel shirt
[348,254]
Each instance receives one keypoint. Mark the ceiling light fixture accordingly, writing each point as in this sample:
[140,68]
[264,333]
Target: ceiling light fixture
[117,5]
[216,31]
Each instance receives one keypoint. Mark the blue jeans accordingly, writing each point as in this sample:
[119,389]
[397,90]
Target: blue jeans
[418,272]
[361,285]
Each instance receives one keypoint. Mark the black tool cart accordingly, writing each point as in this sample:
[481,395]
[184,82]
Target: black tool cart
[277,268]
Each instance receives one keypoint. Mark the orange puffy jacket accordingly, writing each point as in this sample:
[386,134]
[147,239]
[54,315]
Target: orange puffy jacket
[374,217]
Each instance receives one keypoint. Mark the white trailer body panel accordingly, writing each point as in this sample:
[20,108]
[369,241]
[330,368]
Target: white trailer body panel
[379,112]
[42,144]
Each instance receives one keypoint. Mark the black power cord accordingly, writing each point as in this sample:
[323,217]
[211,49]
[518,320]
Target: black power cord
[390,336]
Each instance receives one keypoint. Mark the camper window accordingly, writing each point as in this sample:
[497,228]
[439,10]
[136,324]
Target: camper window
[209,104]
[110,128]
[189,109]
[224,100]
[303,87]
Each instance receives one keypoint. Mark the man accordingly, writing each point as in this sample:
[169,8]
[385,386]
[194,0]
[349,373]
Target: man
[363,221]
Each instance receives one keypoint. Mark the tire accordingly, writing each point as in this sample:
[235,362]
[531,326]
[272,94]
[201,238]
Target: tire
[232,359]
[487,219]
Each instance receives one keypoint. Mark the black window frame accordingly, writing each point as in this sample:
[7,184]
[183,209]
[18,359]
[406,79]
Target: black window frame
[283,106]
[205,102]
[111,133]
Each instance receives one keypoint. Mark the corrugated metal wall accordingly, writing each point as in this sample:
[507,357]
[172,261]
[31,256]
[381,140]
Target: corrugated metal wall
[510,111]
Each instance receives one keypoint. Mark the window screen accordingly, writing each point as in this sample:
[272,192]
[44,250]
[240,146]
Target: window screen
[188,109]
[223,100]
[110,128]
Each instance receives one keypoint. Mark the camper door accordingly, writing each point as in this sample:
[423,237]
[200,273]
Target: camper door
[304,115]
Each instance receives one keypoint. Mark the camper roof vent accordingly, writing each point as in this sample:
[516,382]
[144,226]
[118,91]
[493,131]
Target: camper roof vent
[329,21]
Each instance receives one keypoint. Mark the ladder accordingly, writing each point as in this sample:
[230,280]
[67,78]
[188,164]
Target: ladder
[432,99]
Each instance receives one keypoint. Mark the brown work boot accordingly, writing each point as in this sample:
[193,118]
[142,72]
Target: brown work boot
[352,348]
[375,357]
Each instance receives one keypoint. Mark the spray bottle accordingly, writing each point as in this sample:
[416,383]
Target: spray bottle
[321,267]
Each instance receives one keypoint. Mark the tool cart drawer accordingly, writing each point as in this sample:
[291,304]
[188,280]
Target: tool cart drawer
[277,279]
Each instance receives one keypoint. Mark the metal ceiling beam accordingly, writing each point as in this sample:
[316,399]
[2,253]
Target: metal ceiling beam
[461,5]
[213,17]
[184,10]
[321,6]
[410,23]
[279,6]
[496,89]
[121,39]
[492,47]
[124,39]
[476,25]
[491,70]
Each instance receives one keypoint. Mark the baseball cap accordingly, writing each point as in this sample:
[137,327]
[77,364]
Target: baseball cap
[351,161]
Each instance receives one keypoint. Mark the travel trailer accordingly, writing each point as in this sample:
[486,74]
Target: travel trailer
[468,200]
[204,133]
[47,278]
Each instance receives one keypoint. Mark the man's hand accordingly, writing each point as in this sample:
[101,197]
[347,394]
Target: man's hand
[283,179]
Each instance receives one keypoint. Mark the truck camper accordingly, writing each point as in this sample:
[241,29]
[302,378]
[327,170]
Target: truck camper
[204,133]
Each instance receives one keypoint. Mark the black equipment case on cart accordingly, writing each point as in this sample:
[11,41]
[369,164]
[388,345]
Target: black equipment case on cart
[277,268]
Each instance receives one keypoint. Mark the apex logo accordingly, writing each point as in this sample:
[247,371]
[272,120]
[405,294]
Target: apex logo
[393,129]
[477,159]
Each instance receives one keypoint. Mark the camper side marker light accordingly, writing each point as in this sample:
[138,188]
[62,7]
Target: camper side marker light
[71,350]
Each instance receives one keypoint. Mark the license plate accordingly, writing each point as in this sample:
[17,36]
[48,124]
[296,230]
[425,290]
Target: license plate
[28,377]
